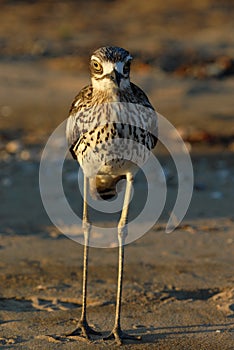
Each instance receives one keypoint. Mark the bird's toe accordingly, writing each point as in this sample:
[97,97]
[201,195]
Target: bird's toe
[84,330]
[120,336]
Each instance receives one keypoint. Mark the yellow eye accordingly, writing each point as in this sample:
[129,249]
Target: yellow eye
[97,67]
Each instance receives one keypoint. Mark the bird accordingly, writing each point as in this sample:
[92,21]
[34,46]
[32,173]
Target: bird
[97,129]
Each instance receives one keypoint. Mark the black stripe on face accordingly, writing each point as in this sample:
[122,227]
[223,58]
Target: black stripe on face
[100,78]
[108,76]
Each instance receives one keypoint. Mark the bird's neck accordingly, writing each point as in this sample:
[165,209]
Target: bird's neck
[107,95]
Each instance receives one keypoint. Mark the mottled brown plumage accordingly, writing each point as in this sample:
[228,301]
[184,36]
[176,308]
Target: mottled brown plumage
[89,125]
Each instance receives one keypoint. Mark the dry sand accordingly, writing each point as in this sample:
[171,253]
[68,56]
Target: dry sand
[178,288]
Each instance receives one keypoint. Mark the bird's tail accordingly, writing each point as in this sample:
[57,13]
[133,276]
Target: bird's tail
[105,186]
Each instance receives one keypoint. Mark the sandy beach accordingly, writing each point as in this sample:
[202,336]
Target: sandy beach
[178,288]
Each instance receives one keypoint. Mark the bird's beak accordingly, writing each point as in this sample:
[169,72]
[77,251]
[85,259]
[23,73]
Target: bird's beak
[116,77]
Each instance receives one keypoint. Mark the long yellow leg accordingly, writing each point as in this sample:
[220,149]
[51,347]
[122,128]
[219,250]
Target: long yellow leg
[86,230]
[83,329]
[117,333]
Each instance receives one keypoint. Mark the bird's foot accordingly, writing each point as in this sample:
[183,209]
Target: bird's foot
[83,330]
[119,336]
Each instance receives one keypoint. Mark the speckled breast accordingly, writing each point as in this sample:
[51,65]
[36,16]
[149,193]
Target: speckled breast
[115,137]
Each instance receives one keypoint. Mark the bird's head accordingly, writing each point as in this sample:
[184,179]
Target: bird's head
[110,68]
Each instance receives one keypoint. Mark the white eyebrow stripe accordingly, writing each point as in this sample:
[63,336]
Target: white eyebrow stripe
[108,67]
[93,57]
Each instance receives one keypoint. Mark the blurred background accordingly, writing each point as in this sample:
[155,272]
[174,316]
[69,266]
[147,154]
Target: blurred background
[183,59]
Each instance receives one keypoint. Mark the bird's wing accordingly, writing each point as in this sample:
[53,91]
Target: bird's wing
[141,96]
[152,126]
[75,122]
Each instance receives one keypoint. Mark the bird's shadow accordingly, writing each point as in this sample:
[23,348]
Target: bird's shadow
[154,334]
[149,335]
